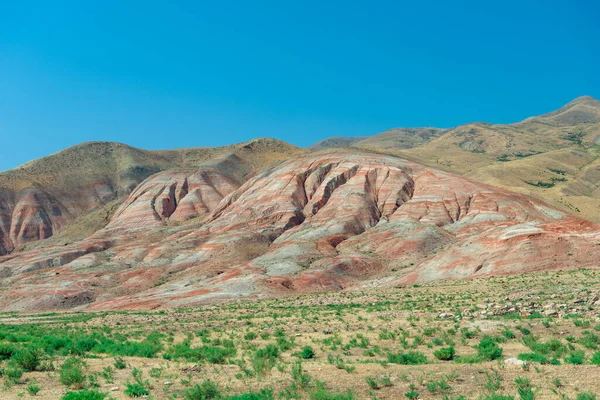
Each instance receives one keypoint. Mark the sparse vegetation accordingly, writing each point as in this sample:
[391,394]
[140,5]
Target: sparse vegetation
[311,347]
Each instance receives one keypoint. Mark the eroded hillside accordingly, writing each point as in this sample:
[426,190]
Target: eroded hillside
[327,220]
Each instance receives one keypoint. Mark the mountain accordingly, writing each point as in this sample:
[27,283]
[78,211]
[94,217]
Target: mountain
[58,192]
[322,220]
[107,226]
[336,142]
[397,138]
[554,157]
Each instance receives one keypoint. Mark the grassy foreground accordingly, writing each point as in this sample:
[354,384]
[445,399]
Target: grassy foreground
[525,337]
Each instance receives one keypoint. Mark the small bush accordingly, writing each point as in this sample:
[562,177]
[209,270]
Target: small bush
[321,393]
[207,390]
[85,394]
[307,353]
[13,372]
[28,358]
[440,386]
[71,373]
[119,363]
[471,359]
[136,389]
[575,357]
[444,354]
[533,357]
[410,358]
[7,351]
[589,340]
[524,389]
[586,396]
[211,354]
[263,394]
[488,350]
[33,389]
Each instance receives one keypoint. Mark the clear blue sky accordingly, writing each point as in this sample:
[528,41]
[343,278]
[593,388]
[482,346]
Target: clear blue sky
[202,73]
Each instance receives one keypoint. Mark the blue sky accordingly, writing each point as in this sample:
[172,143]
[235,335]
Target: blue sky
[184,74]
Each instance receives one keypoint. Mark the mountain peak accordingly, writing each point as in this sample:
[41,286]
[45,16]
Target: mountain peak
[582,110]
[583,100]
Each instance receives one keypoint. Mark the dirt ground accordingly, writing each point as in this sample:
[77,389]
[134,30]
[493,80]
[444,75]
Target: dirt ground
[371,344]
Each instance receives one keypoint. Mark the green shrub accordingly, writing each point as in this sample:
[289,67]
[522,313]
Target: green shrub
[263,394]
[410,358]
[211,354]
[136,389]
[372,383]
[470,359]
[445,353]
[300,378]
[264,359]
[575,357]
[108,374]
[119,363]
[533,357]
[595,358]
[508,334]
[488,350]
[307,353]
[524,330]
[85,394]
[321,393]
[440,386]
[28,358]
[7,351]
[83,345]
[586,396]
[13,372]
[71,373]
[524,389]
[33,389]
[207,390]
[285,343]
[589,340]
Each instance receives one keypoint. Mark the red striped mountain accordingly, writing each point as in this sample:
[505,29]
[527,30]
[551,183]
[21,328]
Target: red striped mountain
[325,220]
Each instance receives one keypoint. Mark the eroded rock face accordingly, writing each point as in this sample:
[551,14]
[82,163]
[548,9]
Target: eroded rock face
[28,215]
[173,196]
[329,220]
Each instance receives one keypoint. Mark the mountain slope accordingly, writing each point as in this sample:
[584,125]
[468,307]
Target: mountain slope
[326,220]
[42,197]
